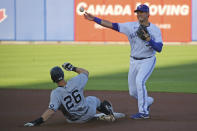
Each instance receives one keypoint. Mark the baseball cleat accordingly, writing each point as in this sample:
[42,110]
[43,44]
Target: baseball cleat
[140,116]
[106,108]
[109,118]
[117,115]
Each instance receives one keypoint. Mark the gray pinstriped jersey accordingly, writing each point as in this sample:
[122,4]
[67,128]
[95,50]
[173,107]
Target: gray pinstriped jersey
[140,48]
[71,97]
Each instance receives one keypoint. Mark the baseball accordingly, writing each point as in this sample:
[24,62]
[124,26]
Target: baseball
[81,9]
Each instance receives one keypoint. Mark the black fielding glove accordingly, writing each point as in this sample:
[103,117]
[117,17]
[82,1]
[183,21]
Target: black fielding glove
[69,67]
[142,32]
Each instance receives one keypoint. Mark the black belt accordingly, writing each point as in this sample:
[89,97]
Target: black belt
[141,58]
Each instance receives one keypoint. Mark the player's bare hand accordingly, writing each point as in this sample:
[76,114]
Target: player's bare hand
[29,124]
[88,16]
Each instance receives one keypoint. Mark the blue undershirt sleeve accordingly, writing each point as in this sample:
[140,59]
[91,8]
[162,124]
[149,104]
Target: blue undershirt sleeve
[156,45]
[115,26]
[97,20]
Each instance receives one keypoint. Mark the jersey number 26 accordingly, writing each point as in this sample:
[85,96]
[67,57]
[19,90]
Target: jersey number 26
[69,99]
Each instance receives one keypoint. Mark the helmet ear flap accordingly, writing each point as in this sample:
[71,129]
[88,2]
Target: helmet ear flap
[57,74]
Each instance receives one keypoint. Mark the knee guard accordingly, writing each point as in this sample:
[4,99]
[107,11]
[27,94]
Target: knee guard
[106,108]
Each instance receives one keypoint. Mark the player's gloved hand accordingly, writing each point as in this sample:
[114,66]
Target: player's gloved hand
[143,33]
[69,67]
[34,123]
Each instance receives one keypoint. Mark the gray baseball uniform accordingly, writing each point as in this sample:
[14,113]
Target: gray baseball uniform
[71,101]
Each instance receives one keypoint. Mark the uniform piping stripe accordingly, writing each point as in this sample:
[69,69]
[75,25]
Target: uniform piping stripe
[143,83]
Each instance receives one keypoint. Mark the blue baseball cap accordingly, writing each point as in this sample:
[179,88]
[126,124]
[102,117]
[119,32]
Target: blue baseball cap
[143,8]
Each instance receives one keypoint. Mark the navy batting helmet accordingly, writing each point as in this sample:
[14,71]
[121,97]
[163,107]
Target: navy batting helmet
[57,74]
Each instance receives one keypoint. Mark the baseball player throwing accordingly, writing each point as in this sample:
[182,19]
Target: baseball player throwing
[145,39]
[69,99]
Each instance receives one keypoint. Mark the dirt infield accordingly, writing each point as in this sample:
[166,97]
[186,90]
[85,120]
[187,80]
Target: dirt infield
[170,112]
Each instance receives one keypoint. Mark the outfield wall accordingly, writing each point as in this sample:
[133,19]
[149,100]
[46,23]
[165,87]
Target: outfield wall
[37,20]
[60,20]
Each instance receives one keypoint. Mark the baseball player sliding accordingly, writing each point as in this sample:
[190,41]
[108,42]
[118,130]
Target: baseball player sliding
[69,99]
[145,39]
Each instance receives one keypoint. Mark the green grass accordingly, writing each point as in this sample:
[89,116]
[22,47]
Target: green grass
[28,66]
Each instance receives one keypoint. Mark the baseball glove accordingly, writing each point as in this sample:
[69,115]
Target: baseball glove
[142,32]
[69,67]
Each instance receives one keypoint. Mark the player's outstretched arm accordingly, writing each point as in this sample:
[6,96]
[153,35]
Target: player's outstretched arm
[99,21]
[45,116]
[81,70]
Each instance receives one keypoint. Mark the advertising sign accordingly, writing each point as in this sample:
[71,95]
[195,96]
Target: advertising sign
[172,17]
